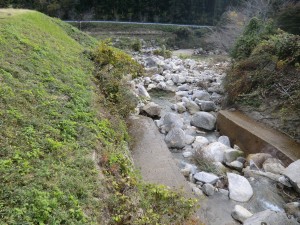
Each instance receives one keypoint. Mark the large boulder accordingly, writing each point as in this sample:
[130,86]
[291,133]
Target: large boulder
[269,217]
[239,187]
[152,109]
[240,213]
[214,151]
[293,173]
[203,120]
[172,120]
[205,177]
[175,138]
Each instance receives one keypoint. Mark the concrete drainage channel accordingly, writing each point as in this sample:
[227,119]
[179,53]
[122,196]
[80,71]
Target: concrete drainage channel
[241,177]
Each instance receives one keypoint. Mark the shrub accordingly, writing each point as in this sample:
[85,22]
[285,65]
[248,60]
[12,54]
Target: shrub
[163,52]
[254,33]
[136,45]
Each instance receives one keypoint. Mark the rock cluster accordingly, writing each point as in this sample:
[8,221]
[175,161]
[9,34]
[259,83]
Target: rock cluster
[198,92]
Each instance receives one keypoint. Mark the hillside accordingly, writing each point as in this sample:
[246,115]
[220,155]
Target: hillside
[63,157]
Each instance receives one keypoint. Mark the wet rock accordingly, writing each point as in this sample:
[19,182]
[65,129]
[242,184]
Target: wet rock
[224,140]
[143,92]
[192,107]
[172,120]
[200,142]
[203,120]
[206,106]
[258,158]
[239,188]
[152,109]
[240,213]
[206,177]
[208,189]
[175,138]
[273,165]
[292,172]
[269,217]
[293,209]
[214,151]
[231,154]
[201,95]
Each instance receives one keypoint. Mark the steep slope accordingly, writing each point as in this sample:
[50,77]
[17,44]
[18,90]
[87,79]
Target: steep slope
[63,158]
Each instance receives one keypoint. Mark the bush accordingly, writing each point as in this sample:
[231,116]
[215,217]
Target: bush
[163,52]
[112,67]
[254,33]
[136,45]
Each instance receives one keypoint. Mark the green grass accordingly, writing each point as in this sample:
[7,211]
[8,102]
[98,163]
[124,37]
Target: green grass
[47,124]
[52,121]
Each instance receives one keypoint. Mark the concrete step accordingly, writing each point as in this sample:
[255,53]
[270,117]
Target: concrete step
[254,137]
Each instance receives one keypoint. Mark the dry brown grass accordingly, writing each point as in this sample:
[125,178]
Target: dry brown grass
[4,13]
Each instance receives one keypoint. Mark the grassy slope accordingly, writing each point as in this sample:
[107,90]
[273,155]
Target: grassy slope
[47,124]
[50,128]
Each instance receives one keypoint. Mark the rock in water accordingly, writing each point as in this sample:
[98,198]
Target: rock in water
[239,188]
[269,217]
[152,109]
[240,213]
[203,120]
[205,177]
[175,138]
[293,173]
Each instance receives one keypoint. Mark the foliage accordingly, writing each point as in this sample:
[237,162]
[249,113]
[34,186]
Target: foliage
[136,45]
[270,72]
[132,202]
[52,123]
[254,32]
[163,52]
[112,68]
[48,127]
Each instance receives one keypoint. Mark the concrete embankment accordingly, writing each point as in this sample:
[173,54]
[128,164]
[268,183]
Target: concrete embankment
[254,137]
